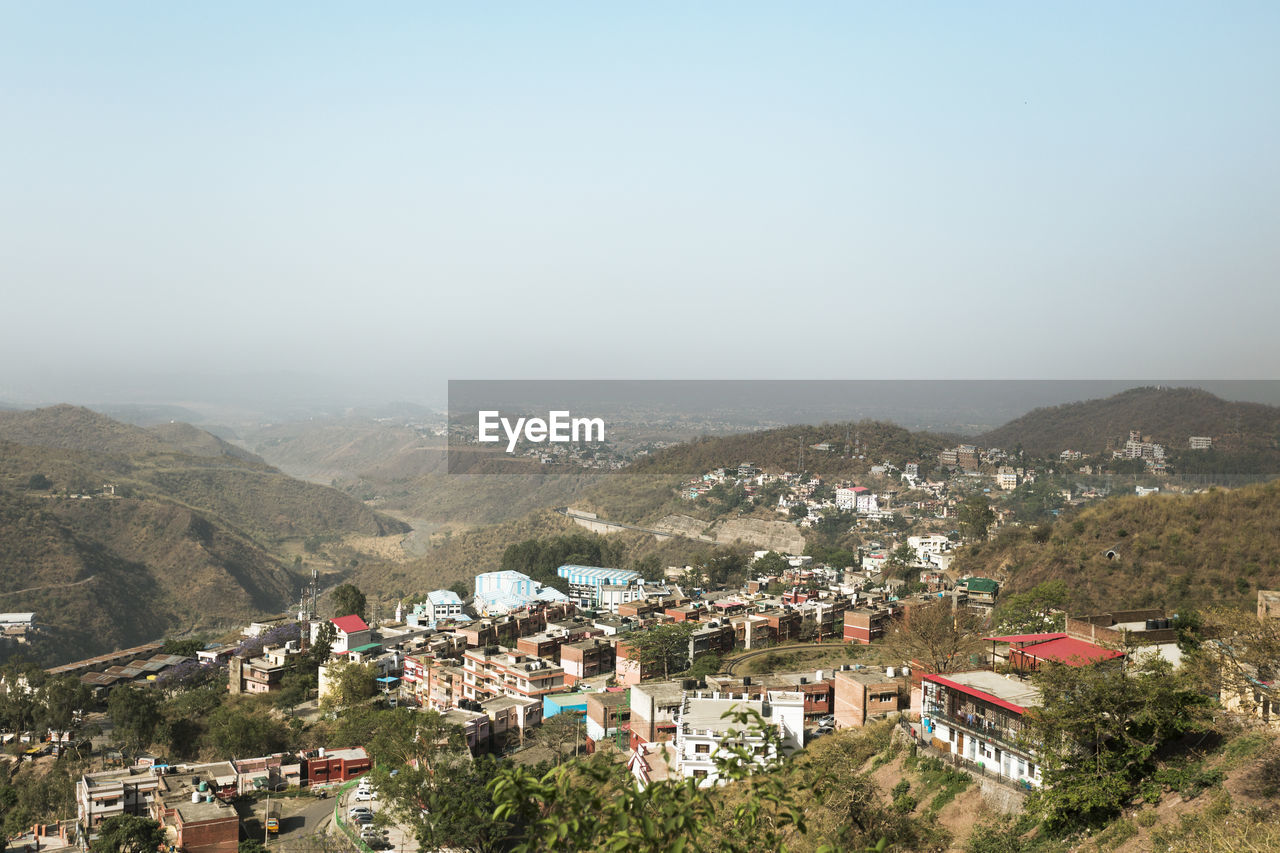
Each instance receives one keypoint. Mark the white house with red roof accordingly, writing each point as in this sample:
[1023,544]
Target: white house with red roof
[977,717]
[352,632]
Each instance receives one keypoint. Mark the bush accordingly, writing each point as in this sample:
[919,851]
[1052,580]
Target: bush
[1146,818]
[904,804]
[901,788]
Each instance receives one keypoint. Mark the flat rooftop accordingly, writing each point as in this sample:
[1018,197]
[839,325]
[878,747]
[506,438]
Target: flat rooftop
[708,714]
[1002,687]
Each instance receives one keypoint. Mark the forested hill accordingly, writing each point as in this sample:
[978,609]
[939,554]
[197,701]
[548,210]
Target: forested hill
[1174,551]
[1168,415]
[791,449]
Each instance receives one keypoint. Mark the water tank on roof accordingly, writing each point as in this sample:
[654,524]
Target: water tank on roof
[890,672]
[746,681]
[204,786]
[1152,624]
[906,671]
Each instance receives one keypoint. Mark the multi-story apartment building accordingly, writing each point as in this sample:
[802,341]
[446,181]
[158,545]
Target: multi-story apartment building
[705,722]
[654,707]
[865,625]
[442,605]
[586,583]
[491,672]
[586,659]
[978,716]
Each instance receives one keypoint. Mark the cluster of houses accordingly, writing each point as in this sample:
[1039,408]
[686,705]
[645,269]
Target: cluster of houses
[192,801]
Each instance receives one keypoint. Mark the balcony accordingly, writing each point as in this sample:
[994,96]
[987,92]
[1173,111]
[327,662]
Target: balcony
[1009,737]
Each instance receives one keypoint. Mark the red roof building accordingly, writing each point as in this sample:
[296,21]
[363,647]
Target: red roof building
[1063,650]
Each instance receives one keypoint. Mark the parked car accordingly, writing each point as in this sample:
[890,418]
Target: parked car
[827,722]
[365,796]
[363,818]
[355,810]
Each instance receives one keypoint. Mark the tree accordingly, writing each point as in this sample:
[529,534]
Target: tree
[348,600]
[560,733]
[1243,654]
[936,636]
[975,516]
[241,730]
[60,699]
[665,646]
[135,716]
[1099,730]
[39,483]
[320,650]
[1034,611]
[461,589]
[437,788]
[352,683]
[582,805]
[771,564]
[128,834]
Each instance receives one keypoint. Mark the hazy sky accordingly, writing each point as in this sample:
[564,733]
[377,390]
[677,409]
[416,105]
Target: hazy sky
[384,196]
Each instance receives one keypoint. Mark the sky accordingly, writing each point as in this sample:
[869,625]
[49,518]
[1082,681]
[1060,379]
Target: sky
[369,200]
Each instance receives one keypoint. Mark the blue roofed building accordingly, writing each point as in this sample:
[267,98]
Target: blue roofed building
[502,592]
[586,583]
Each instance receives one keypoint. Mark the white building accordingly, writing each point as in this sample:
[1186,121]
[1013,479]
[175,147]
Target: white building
[703,730]
[1007,478]
[846,499]
[442,605]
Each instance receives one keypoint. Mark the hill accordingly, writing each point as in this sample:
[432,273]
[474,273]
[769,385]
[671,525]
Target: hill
[790,449]
[104,574]
[1175,551]
[1169,415]
[116,535]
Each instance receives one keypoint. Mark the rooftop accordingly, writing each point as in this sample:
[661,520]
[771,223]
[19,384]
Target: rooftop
[709,714]
[1069,651]
[984,684]
[350,624]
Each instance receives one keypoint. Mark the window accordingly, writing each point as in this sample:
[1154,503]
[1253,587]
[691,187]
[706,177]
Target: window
[702,748]
[699,774]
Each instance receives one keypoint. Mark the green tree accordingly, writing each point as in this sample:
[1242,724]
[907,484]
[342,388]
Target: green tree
[39,483]
[1099,731]
[550,811]
[352,683]
[320,650]
[128,834]
[348,600]
[135,716]
[242,729]
[771,564]
[976,516]
[1036,610]
[665,646]
[462,589]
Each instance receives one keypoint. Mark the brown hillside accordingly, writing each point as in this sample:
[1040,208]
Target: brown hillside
[1175,551]
[1168,415]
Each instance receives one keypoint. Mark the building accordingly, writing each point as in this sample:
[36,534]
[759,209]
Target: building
[1200,442]
[1120,627]
[442,605]
[586,583]
[815,687]
[1056,648]
[510,716]
[264,673]
[501,592]
[654,707]
[492,672]
[981,591]
[1268,604]
[865,625]
[705,720]
[868,693]
[978,718]
[334,766]
[475,725]
[608,718]
[846,499]
[350,632]
[562,703]
[586,659]
[1006,478]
